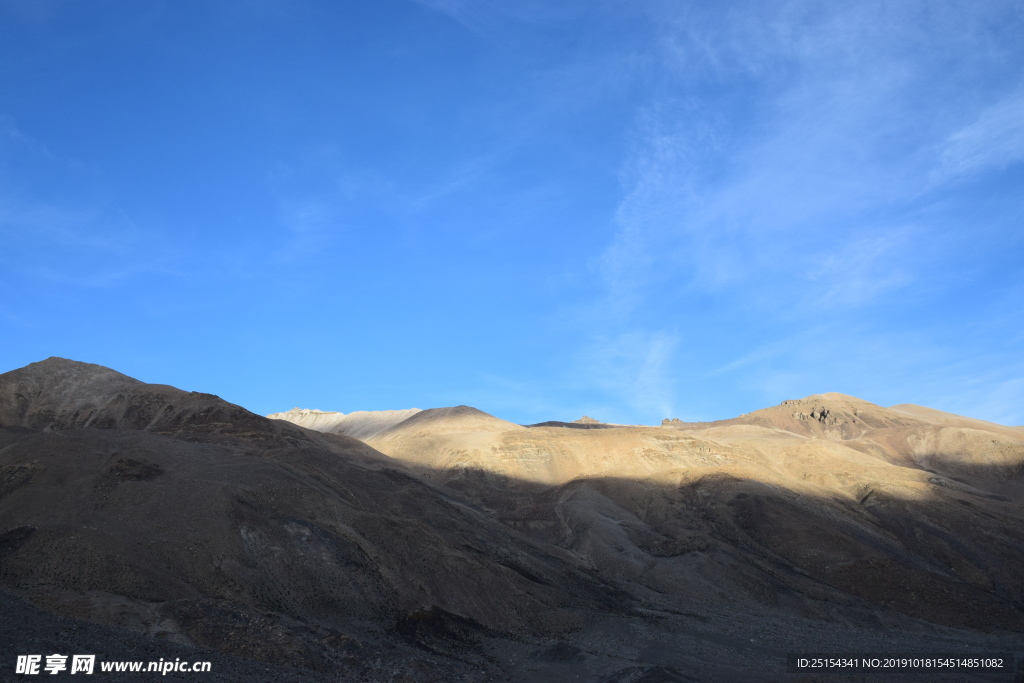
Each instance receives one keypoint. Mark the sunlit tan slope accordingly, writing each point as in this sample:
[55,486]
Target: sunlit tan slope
[844,433]
[939,417]
[824,493]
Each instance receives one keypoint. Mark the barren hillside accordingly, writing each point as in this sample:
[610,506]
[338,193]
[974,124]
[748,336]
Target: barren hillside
[453,545]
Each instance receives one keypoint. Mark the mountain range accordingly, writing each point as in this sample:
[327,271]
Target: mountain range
[449,544]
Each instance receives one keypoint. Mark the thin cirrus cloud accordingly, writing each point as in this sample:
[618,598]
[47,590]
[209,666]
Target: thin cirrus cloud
[994,141]
[60,227]
[637,209]
[634,367]
[704,190]
[817,193]
[788,195]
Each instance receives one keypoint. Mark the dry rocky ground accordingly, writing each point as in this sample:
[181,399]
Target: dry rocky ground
[447,544]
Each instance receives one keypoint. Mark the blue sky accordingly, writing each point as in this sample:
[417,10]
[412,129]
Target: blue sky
[629,209]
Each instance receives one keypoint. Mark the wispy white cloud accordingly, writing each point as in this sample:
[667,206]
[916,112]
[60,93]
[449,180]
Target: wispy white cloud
[491,18]
[318,204]
[311,225]
[633,367]
[985,387]
[59,226]
[994,140]
[833,134]
[865,270]
[616,378]
[997,399]
[766,353]
[722,210]
[782,175]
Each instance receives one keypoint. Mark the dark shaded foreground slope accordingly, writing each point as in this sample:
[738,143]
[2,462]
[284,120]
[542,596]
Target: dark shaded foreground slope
[25,629]
[179,521]
[192,520]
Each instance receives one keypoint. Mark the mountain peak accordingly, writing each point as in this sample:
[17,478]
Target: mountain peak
[61,394]
[63,369]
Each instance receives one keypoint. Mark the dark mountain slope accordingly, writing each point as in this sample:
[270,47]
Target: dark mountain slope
[630,553]
[185,517]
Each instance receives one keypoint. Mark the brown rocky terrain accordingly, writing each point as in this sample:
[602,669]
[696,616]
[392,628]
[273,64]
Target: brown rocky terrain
[453,545]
